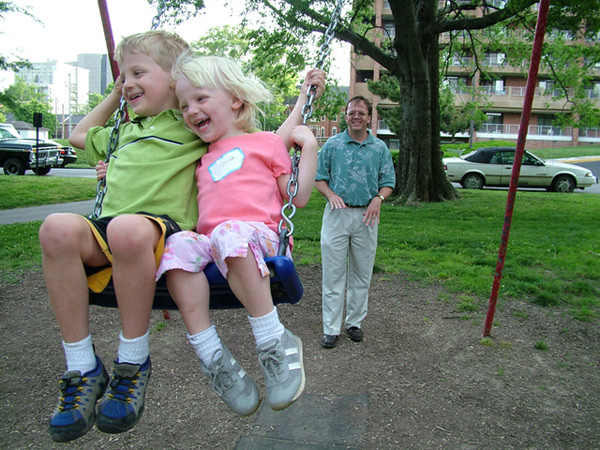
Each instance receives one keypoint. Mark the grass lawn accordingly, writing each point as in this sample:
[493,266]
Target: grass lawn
[553,256]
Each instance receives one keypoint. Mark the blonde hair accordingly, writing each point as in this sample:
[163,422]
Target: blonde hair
[162,46]
[224,74]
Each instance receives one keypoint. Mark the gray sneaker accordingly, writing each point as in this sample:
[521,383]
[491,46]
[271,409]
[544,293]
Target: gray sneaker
[75,413]
[231,383]
[281,363]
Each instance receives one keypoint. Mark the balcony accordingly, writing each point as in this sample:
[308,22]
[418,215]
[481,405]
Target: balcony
[495,131]
[538,132]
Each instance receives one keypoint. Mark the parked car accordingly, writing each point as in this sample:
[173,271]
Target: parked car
[68,154]
[18,154]
[492,166]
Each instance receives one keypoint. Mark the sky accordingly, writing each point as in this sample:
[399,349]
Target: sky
[71,27]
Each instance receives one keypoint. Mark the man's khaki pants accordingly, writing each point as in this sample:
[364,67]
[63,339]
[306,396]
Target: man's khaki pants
[348,249]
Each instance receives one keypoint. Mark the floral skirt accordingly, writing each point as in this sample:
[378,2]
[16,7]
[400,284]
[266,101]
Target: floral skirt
[191,251]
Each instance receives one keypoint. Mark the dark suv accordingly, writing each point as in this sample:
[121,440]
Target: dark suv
[18,154]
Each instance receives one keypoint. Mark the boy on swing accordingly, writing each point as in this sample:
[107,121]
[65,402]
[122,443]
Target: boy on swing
[150,195]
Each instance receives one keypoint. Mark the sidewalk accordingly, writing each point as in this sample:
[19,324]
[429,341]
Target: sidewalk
[22,215]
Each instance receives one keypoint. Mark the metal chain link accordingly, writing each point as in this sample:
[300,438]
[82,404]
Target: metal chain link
[120,116]
[289,209]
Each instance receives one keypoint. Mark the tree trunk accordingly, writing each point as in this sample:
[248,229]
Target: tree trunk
[420,173]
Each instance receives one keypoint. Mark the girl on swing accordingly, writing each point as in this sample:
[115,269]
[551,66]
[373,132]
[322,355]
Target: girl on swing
[242,183]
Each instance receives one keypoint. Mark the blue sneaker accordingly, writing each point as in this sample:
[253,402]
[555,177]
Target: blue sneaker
[123,403]
[281,363]
[231,383]
[75,414]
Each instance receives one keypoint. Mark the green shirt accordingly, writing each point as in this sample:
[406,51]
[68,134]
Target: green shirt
[356,171]
[152,169]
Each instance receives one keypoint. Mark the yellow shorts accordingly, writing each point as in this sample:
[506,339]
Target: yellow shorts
[98,277]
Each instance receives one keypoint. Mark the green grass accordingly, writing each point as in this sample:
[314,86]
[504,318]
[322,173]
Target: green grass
[553,254]
[19,192]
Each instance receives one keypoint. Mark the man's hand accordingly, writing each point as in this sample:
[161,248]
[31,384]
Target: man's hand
[371,217]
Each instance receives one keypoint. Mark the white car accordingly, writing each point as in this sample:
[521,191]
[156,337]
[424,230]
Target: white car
[492,166]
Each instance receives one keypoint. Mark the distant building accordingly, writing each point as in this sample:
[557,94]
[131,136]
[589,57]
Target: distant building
[99,67]
[65,86]
[321,126]
[505,91]
[27,130]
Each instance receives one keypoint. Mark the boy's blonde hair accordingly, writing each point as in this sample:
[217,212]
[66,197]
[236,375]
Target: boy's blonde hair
[224,74]
[162,46]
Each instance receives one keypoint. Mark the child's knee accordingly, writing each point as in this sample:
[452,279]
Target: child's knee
[132,234]
[61,232]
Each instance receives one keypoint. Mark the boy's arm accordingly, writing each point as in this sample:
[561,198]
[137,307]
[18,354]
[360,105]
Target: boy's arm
[99,116]
[314,77]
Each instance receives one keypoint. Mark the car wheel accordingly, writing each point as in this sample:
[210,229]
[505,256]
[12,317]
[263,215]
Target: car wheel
[42,170]
[14,166]
[564,184]
[472,181]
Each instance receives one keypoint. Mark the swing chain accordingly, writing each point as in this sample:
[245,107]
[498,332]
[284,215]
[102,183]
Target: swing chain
[120,117]
[162,8]
[292,186]
[110,148]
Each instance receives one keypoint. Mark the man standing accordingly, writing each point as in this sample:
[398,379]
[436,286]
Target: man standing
[355,174]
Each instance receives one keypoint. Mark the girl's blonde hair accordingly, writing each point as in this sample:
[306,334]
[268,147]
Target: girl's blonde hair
[224,74]
[162,46]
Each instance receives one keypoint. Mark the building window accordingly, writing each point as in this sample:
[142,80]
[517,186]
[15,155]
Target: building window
[394,144]
[493,123]
[362,76]
[334,131]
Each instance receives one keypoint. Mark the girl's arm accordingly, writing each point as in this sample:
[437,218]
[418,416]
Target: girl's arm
[314,77]
[307,166]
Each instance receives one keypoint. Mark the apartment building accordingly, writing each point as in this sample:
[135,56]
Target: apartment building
[64,85]
[504,95]
[67,85]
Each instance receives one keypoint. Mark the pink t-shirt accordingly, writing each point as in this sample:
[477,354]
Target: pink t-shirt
[237,179]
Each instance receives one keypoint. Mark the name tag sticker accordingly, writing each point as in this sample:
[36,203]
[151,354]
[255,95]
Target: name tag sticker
[226,164]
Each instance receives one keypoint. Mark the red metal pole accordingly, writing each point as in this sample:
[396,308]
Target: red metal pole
[512,190]
[108,36]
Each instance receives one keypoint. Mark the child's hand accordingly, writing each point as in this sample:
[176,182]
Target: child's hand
[118,87]
[101,170]
[303,137]
[314,77]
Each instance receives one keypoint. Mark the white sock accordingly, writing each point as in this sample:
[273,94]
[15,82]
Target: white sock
[133,351]
[205,344]
[267,327]
[80,355]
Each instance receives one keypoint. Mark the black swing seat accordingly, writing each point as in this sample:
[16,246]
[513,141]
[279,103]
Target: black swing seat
[286,287]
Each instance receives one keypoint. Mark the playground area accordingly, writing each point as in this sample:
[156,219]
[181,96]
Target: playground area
[421,379]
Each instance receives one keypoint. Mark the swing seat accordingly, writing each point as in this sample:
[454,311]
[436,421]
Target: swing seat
[286,287]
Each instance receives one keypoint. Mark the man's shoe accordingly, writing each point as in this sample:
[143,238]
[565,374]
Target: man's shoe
[123,403]
[76,411]
[329,341]
[355,334]
[231,383]
[281,363]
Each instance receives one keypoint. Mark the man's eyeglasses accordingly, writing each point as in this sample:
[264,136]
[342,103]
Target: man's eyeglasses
[356,113]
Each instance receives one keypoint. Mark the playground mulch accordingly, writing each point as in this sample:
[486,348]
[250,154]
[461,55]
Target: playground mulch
[421,379]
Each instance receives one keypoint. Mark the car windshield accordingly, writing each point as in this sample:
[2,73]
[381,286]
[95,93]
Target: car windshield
[6,133]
